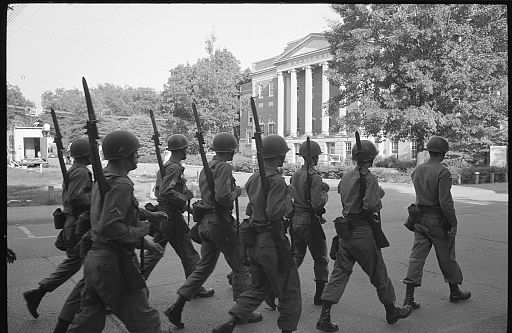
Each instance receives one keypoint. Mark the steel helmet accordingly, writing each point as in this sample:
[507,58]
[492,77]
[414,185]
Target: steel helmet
[224,143]
[177,142]
[437,144]
[79,148]
[369,151]
[119,144]
[274,145]
[314,148]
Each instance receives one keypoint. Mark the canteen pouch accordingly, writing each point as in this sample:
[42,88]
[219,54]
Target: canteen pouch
[59,218]
[247,233]
[199,210]
[414,216]
[342,226]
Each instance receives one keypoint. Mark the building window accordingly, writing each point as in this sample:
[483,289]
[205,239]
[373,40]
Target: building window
[260,91]
[348,149]
[250,120]
[249,136]
[414,149]
[272,128]
[271,103]
[394,147]
[271,89]
[263,129]
[260,105]
[331,148]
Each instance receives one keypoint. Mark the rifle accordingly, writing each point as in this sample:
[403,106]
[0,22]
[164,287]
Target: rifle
[60,147]
[209,176]
[284,255]
[316,227]
[374,221]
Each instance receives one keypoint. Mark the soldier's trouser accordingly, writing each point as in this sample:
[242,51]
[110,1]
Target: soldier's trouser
[212,243]
[267,278]
[64,271]
[317,247]
[360,248]
[105,286]
[72,303]
[427,233]
[183,246]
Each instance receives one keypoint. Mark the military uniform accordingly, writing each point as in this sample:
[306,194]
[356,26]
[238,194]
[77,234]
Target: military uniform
[265,266]
[114,226]
[172,200]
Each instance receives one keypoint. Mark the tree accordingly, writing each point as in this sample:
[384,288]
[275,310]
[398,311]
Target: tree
[18,107]
[418,69]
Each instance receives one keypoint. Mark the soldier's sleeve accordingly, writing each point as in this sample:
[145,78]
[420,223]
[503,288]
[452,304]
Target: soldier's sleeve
[167,191]
[371,200]
[224,196]
[318,197]
[79,188]
[445,196]
[276,199]
[116,205]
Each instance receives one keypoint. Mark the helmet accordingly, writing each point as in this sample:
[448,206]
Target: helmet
[79,148]
[314,148]
[177,141]
[274,145]
[119,144]
[224,143]
[369,151]
[437,144]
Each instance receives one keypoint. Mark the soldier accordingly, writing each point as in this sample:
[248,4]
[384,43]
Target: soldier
[110,271]
[271,269]
[358,244]
[172,195]
[76,200]
[438,224]
[216,235]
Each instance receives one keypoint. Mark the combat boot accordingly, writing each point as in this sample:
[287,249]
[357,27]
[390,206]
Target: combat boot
[227,327]
[317,300]
[255,317]
[173,313]
[393,313]
[204,293]
[409,297]
[270,301]
[62,326]
[324,323]
[33,298]
[457,295]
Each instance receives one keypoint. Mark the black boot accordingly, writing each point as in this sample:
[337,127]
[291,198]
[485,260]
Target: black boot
[227,327]
[393,313]
[62,326]
[270,300]
[33,298]
[456,294]
[317,300]
[324,323]
[409,297]
[204,293]
[173,313]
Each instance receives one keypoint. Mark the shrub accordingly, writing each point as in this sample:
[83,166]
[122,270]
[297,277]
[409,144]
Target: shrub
[468,174]
[385,162]
[392,175]
[242,163]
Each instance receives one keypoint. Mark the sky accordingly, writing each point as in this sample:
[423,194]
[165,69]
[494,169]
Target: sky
[51,46]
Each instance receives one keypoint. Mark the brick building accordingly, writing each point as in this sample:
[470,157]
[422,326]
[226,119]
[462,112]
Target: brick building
[290,92]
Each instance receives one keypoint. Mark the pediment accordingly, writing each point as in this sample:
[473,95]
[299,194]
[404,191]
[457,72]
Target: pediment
[309,44]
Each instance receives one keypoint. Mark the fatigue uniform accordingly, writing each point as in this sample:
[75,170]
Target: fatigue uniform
[114,223]
[360,246]
[212,232]
[267,277]
[171,200]
[301,222]
[432,183]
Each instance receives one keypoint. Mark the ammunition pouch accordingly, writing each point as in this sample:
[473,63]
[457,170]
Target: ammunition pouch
[247,233]
[342,226]
[59,218]
[199,210]
[414,216]
[67,238]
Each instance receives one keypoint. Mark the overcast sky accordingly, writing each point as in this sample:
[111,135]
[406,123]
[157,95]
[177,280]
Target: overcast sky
[52,46]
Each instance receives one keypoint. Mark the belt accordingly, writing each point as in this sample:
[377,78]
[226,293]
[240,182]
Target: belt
[431,210]
[357,222]
[104,246]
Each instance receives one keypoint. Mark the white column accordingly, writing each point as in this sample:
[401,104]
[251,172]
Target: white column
[342,113]
[293,103]
[325,98]
[308,106]
[280,104]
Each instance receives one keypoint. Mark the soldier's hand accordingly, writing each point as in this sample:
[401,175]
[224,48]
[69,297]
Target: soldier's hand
[189,194]
[452,232]
[158,217]
[143,229]
[154,247]
[238,191]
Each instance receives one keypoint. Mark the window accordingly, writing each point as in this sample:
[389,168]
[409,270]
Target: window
[414,149]
[271,103]
[330,148]
[249,135]
[271,89]
[394,147]
[348,149]
[260,90]
[272,128]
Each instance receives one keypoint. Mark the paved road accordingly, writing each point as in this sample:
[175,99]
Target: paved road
[482,247]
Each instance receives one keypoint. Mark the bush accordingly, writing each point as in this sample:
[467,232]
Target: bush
[468,174]
[392,175]
[385,163]
[242,163]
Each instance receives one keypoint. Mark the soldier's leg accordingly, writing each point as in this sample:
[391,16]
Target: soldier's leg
[136,313]
[420,250]
[241,279]
[299,250]
[184,248]
[318,250]
[152,258]
[290,301]
[340,275]
[70,307]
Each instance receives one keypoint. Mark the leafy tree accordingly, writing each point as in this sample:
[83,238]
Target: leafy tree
[18,107]
[419,69]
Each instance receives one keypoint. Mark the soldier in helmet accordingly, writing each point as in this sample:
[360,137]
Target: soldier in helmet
[303,234]
[358,244]
[110,271]
[172,195]
[76,200]
[438,225]
[267,271]
[216,235]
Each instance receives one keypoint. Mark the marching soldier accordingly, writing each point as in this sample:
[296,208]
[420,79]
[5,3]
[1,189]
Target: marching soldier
[357,244]
[172,195]
[302,229]
[272,269]
[111,275]
[75,200]
[216,235]
[438,224]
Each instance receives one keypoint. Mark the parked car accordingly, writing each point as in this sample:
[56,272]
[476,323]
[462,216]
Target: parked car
[34,162]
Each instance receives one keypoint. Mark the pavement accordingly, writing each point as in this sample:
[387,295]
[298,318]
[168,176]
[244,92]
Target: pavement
[481,247]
